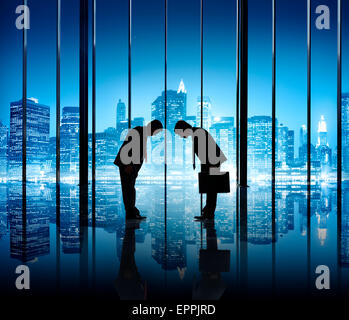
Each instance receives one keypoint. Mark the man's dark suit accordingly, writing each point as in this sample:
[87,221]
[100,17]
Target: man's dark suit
[207,163]
[128,179]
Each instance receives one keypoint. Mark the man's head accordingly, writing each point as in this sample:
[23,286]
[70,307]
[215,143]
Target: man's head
[183,128]
[154,127]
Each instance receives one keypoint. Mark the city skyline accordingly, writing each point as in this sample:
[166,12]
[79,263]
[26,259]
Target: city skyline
[289,155]
[206,102]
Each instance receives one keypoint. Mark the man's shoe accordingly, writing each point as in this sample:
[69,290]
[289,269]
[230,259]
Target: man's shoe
[135,211]
[203,218]
[139,217]
[135,217]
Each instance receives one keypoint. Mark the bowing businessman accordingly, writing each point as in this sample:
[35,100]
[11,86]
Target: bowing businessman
[130,159]
[211,158]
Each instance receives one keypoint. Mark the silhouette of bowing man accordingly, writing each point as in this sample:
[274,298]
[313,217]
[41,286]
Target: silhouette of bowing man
[211,263]
[211,158]
[129,284]
[130,159]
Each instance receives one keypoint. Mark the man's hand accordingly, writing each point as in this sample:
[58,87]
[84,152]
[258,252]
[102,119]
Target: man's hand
[129,169]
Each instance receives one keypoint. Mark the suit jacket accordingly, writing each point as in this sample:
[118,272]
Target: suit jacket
[138,150]
[211,154]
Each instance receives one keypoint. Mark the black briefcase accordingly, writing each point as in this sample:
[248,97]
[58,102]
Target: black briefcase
[209,183]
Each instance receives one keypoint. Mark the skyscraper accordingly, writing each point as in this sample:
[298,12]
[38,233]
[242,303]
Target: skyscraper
[176,106]
[120,115]
[323,151]
[38,129]
[3,150]
[106,149]
[290,148]
[282,136]
[29,236]
[322,132]
[303,136]
[70,139]
[259,143]
[206,113]
[345,132]
[223,131]
[176,110]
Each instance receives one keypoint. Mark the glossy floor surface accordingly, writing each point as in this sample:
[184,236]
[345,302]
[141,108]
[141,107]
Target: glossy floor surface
[169,255]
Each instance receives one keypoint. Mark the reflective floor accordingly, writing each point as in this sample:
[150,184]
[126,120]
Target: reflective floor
[169,256]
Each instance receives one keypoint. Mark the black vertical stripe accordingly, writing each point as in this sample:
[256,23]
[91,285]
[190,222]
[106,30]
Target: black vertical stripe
[273,216]
[201,60]
[309,93]
[58,93]
[339,137]
[24,139]
[243,93]
[309,143]
[165,120]
[83,130]
[273,139]
[93,90]
[93,113]
[24,104]
[129,59]
[83,124]
[237,120]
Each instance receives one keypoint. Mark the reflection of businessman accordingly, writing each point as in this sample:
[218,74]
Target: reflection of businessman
[211,263]
[130,159]
[211,158]
[129,283]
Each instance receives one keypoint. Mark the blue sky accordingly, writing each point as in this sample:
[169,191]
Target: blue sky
[183,57]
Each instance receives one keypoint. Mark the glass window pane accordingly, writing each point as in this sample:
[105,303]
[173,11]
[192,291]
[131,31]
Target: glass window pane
[41,92]
[259,91]
[11,83]
[70,91]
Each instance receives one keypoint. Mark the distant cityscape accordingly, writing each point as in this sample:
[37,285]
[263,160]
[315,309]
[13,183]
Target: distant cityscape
[41,148]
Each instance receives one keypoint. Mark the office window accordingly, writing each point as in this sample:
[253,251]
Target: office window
[219,103]
[183,102]
[11,83]
[70,91]
[41,87]
[291,96]
[324,102]
[259,84]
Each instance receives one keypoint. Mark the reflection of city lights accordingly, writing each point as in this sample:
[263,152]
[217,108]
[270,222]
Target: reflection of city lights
[322,235]
[181,272]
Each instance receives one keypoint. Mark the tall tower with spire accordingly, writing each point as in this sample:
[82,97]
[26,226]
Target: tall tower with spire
[176,109]
[181,88]
[322,133]
[324,153]
[176,106]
